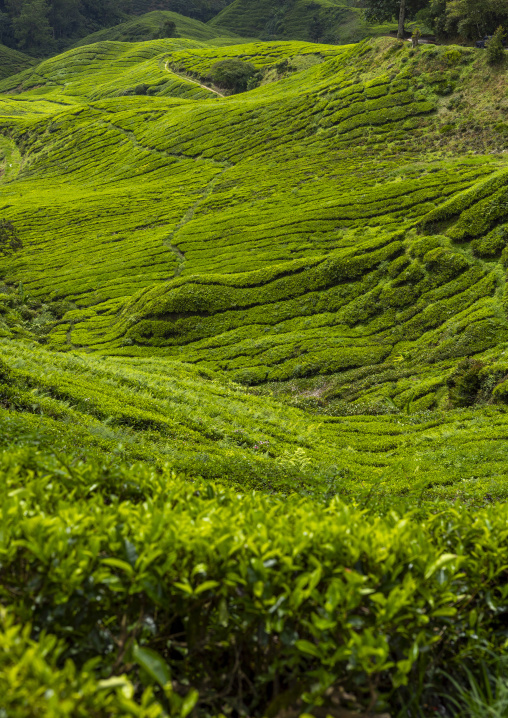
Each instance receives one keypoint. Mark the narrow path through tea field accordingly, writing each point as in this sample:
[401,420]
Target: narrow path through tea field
[194,82]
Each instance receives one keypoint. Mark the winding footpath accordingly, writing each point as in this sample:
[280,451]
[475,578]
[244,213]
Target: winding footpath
[194,82]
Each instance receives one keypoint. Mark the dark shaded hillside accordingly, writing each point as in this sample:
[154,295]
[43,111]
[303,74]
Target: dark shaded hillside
[12,61]
[328,21]
[148,26]
[203,10]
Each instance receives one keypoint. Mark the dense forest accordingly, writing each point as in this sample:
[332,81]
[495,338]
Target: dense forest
[455,19]
[44,27]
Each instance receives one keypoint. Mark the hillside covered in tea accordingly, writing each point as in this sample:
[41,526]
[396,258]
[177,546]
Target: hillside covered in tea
[335,21]
[253,377]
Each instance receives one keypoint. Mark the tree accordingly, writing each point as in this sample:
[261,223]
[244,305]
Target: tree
[104,12]
[168,29]
[232,75]
[470,19]
[6,30]
[316,29]
[65,17]
[495,48]
[386,10]
[31,27]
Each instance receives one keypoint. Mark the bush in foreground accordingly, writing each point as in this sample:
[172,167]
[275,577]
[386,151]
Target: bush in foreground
[246,602]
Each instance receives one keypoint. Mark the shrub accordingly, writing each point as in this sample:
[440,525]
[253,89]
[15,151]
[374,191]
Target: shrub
[283,603]
[9,239]
[232,75]
[492,244]
[5,372]
[465,383]
[34,681]
[168,30]
[495,48]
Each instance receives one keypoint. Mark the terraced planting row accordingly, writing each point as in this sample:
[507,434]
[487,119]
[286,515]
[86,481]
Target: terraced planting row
[199,422]
[299,229]
[12,61]
[330,538]
[333,21]
[149,25]
[106,69]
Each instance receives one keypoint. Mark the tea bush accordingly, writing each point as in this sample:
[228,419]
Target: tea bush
[152,247]
[284,602]
[319,239]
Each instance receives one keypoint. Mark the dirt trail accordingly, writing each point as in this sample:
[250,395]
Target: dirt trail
[194,82]
[188,217]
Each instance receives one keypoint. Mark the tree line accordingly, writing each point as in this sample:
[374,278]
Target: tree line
[448,19]
[40,27]
[43,26]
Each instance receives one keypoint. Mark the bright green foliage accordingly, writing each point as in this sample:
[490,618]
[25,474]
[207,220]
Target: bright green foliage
[203,425]
[33,681]
[329,239]
[203,580]
[291,250]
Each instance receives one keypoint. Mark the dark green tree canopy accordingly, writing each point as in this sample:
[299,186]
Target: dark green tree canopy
[41,27]
[168,29]
[386,10]
[232,75]
[470,19]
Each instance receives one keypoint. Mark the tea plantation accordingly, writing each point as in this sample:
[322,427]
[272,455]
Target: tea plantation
[253,379]
[324,20]
[148,27]
[12,61]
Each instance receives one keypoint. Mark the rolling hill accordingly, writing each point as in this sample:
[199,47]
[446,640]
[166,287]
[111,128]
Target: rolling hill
[12,61]
[288,245]
[147,27]
[332,21]
[253,378]
[202,10]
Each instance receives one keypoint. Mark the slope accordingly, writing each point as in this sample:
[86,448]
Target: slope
[335,223]
[199,423]
[106,69]
[147,27]
[202,10]
[332,21]
[12,61]
[116,578]
[331,540]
